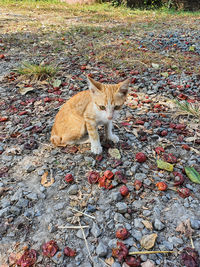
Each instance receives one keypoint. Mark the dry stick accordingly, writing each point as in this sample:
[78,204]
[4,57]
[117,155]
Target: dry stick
[104,262]
[72,227]
[86,243]
[149,252]
[192,243]
[92,217]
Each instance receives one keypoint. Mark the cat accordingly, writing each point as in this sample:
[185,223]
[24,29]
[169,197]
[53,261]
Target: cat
[83,112]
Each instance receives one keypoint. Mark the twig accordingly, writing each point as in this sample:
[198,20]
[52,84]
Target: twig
[104,262]
[92,217]
[192,243]
[73,227]
[86,243]
[149,252]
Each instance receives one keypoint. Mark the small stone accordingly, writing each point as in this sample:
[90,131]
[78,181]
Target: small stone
[137,234]
[58,258]
[96,232]
[4,212]
[158,225]
[195,224]
[140,176]
[122,207]
[73,189]
[116,264]
[112,243]
[29,168]
[119,218]
[32,196]
[116,196]
[137,204]
[22,203]
[101,250]
[168,245]
[138,223]
[59,206]
[147,181]
[146,213]
[80,235]
[14,210]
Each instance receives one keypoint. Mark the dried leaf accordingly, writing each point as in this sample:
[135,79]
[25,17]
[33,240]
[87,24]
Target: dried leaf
[147,224]
[185,228]
[109,261]
[114,153]
[164,165]
[44,181]
[148,241]
[24,90]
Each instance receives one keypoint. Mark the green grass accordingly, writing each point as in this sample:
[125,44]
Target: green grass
[37,72]
[188,108]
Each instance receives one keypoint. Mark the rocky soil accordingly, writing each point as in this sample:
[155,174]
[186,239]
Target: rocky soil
[32,214]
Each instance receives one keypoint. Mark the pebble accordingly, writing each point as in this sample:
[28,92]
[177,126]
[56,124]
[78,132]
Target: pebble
[116,196]
[140,176]
[80,235]
[101,250]
[138,223]
[119,217]
[122,207]
[73,189]
[158,225]
[195,224]
[22,203]
[116,264]
[95,231]
[32,196]
[136,234]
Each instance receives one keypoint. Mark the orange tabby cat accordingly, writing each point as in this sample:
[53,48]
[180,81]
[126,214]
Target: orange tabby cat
[82,114]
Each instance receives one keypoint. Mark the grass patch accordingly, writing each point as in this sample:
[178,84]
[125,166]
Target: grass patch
[37,72]
[186,108]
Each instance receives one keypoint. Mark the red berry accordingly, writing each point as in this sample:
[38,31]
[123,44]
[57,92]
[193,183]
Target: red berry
[28,258]
[184,192]
[162,186]
[140,157]
[186,147]
[108,174]
[124,190]
[50,248]
[69,178]
[93,177]
[133,261]
[159,149]
[164,133]
[122,233]
[2,56]
[69,252]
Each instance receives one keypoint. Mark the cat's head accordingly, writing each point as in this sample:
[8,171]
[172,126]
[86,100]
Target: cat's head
[108,98]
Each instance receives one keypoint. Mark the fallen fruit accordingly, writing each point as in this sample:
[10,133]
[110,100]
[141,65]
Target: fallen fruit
[69,252]
[192,174]
[122,233]
[133,261]
[159,149]
[186,147]
[50,248]
[2,56]
[69,178]
[120,252]
[170,158]
[28,258]
[124,190]
[140,157]
[184,192]
[179,178]
[93,177]
[108,174]
[137,184]
[3,119]
[190,257]
[162,186]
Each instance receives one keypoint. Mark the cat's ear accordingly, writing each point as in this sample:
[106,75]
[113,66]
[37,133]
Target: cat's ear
[123,87]
[95,87]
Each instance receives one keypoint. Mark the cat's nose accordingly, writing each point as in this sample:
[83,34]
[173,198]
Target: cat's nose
[109,117]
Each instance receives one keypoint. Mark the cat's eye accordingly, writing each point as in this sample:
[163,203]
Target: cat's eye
[117,107]
[102,107]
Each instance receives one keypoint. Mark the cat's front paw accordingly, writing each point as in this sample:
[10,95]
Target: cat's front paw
[96,149]
[113,138]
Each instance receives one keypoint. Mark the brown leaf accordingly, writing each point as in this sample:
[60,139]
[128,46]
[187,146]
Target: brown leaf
[185,228]
[109,261]
[147,224]
[148,241]
[44,181]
